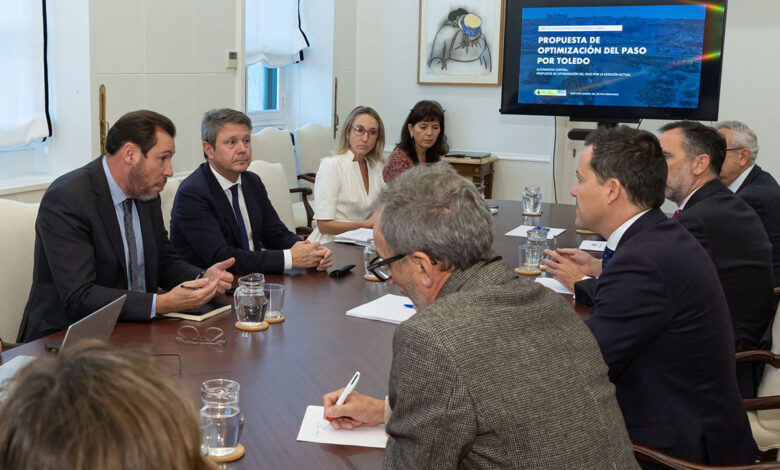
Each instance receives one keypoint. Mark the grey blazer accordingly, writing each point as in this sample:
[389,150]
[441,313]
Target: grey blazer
[499,372]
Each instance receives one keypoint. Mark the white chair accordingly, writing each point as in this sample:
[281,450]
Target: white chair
[274,179]
[762,412]
[166,200]
[17,249]
[312,142]
[275,146]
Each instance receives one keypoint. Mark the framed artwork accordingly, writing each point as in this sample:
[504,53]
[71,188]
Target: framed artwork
[460,42]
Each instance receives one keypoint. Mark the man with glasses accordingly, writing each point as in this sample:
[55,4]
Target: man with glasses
[492,371]
[757,187]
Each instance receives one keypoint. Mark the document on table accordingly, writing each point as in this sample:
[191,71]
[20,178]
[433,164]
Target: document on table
[593,245]
[359,236]
[388,308]
[8,369]
[551,283]
[522,230]
[315,428]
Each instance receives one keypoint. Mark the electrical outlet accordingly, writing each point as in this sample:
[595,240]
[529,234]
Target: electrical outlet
[231,59]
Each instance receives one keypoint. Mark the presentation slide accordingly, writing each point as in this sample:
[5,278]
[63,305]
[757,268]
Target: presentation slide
[612,56]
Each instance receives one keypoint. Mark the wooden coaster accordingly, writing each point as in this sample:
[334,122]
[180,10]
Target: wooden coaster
[370,277]
[583,231]
[232,457]
[274,321]
[528,273]
[261,327]
[533,214]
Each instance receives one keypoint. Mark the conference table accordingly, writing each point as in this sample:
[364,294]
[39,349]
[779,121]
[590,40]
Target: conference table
[315,350]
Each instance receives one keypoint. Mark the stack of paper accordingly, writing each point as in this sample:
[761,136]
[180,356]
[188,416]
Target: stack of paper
[551,283]
[314,428]
[522,230]
[593,245]
[388,308]
[360,236]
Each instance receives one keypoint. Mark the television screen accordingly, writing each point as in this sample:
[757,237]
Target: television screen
[613,59]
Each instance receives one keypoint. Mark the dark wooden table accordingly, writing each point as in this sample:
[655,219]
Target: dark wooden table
[316,350]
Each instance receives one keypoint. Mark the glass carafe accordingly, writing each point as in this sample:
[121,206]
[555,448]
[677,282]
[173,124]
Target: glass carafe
[249,300]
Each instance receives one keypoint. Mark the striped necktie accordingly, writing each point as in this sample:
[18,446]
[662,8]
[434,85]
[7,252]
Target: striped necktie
[132,252]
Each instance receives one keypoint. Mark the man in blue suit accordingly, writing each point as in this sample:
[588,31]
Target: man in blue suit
[754,185]
[659,314]
[222,210]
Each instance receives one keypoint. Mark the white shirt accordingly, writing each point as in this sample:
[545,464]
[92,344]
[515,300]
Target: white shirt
[226,184]
[614,237]
[339,192]
[734,186]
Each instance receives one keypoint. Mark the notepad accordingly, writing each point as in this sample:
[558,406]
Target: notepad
[551,283]
[388,308]
[360,236]
[8,369]
[198,314]
[314,428]
[522,230]
[593,245]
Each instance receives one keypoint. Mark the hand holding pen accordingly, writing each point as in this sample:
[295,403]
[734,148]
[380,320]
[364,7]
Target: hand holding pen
[354,410]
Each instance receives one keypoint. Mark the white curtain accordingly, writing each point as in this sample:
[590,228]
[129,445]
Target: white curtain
[273,32]
[23,114]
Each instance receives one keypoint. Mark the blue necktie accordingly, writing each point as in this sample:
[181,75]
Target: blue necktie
[606,256]
[132,253]
[239,218]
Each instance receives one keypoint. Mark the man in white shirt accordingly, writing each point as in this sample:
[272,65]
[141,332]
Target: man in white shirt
[754,185]
[223,210]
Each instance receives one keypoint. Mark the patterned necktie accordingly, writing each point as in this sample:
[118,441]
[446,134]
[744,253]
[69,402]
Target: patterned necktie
[606,256]
[676,213]
[239,218]
[132,252]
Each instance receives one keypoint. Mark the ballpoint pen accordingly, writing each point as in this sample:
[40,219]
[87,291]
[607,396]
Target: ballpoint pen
[347,390]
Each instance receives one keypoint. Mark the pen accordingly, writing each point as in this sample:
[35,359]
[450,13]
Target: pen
[185,286]
[409,305]
[347,390]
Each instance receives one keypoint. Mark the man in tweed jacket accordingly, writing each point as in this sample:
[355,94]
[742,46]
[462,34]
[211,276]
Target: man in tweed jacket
[492,371]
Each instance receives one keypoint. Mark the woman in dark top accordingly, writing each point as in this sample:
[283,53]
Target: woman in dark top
[422,140]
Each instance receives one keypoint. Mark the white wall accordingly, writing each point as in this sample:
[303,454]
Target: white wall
[386,58]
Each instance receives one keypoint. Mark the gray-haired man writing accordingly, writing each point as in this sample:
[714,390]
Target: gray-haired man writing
[490,366]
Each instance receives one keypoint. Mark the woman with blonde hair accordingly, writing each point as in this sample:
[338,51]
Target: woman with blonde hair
[348,182]
[96,406]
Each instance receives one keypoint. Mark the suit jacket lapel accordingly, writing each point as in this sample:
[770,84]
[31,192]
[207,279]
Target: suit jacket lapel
[251,198]
[703,193]
[750,177]
[150,245]
[652,217]
[221,201]
[105,207]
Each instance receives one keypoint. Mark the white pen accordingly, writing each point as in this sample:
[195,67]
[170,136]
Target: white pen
[348,389]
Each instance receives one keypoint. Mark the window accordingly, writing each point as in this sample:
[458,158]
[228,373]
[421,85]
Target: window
[264,95]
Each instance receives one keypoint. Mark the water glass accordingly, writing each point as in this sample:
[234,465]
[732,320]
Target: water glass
[249,300]
[219,429]
[532,199]
[274,293]
[369,255]
[219,392]
[530,256]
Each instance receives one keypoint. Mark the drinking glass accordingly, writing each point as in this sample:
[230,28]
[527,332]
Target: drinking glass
[530,256]
[219,429]
[532,199]
[274,293]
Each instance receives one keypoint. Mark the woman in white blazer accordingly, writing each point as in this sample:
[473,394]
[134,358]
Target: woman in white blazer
[348,182]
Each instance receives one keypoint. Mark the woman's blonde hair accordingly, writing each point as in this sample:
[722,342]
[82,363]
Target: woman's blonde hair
[96,406]
[375,155]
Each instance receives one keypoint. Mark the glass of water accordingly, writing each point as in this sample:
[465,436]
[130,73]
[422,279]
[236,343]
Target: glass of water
[275,295]
[532,200]
[249,300]
[219,429]
[530,256]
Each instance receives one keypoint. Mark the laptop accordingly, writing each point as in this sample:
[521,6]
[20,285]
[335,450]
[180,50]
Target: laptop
[97,325]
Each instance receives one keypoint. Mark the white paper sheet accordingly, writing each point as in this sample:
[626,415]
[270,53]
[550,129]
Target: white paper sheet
[388,308]
[551,283]
[315,428]
[9,368]
[521,232]
[359,236]
[593,245]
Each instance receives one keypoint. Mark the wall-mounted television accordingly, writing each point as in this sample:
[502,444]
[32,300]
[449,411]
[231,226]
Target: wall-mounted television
[613,60]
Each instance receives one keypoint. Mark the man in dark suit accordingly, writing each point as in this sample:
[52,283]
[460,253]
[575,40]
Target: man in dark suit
[221,210]
[490,366]
[757,187]
[99,235]
[659,314]
[730,232]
